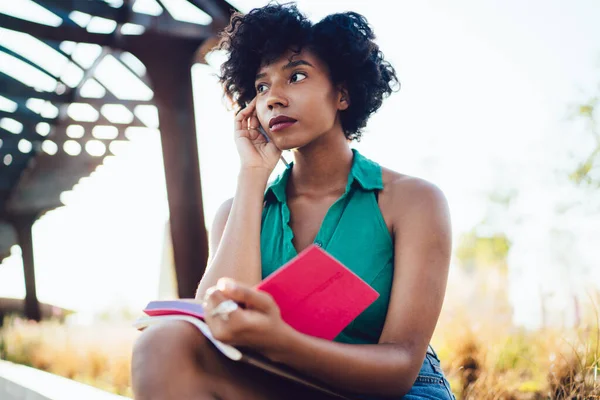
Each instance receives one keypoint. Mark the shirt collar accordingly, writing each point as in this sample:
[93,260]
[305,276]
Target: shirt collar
[365,172]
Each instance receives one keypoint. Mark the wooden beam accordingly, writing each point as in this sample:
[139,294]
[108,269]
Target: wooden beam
[92,7]
[169,67]
[161,25]
[59,134]
[22,115]
[10,87]
[220,11]
[28,62]
[28,134]
[89,73]
[63,32]
[23,225]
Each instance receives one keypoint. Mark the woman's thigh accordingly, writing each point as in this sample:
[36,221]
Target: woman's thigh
[431,384]
[232,380]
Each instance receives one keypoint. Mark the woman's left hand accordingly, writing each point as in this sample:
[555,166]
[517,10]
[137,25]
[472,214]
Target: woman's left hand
[256,324]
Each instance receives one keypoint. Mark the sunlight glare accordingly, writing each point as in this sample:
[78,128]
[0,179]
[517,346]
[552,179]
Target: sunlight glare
[26,73]
[66,197]
[82,112]
[91,89]
[25,146]
[149,7]
[34,50]
[49,110]
[117,113]
[132,29]
[72,148]
[11,125]
[7,105]
[148,114]
[118,147]
[185,11]
[120,81]
[95,148]
[42,128]
[114,3]
[45,108]
[29,11]
[75,131]
[72,75]
[80,18]
[67,46]
[106,132]
[101,25]
[35,105]
[133,63]
[134,133]
[49,147]
[85,54]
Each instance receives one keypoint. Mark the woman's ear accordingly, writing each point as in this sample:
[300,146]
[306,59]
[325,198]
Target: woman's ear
[344,99]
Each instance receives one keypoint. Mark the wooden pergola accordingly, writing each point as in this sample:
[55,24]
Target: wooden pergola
[44,153]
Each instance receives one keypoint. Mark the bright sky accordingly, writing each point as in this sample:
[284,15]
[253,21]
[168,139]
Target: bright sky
[486,91]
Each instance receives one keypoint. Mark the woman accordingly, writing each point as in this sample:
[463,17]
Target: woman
[312,88]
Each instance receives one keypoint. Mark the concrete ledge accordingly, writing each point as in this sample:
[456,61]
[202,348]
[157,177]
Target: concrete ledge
[18,382]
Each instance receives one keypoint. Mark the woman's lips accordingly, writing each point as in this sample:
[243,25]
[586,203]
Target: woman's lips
[282,125]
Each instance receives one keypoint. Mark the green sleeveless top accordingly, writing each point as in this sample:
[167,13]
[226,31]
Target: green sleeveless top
[353,231]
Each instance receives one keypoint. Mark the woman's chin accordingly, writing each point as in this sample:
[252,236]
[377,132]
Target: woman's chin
[291,143]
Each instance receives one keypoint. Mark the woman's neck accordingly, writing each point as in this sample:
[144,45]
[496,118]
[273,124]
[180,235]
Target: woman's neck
[321,167]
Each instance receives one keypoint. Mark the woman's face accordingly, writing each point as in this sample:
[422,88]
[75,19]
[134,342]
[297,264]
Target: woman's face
[296,101]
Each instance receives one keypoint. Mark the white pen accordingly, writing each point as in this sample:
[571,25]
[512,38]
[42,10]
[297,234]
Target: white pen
[262,131]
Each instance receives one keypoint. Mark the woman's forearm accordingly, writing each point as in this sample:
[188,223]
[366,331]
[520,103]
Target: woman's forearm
[377,369]
[238,254]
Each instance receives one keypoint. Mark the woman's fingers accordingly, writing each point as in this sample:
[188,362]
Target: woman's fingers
[212,299]
[243,294]
[253,123]
[241,119]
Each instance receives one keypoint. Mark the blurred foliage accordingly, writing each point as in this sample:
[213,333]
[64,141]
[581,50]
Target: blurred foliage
[486,358]
[474,250]
[584,172]
[97,355]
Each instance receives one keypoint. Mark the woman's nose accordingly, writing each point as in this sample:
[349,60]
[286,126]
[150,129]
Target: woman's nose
[276,98]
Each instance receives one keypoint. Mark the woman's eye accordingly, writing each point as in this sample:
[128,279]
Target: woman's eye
[261,88]
[298,76]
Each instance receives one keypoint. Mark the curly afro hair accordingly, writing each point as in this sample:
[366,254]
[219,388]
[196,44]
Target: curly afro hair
[344,42]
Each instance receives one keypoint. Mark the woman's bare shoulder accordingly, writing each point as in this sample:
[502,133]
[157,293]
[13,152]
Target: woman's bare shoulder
[398,186]
[403,195]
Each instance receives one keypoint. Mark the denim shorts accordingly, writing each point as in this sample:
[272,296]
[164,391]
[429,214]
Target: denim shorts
[430,384]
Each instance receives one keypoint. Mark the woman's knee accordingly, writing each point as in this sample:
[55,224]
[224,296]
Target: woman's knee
[167,340]
[175,356]
[163,350]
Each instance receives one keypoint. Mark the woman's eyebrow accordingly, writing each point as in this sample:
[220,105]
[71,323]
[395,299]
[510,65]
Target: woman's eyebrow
[291,64]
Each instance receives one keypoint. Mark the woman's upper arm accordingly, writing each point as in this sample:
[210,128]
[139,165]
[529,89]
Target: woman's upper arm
[218,227]
[422,249]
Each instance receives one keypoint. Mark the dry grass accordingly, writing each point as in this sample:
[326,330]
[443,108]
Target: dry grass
[483,360]
[489,359]
[99,356]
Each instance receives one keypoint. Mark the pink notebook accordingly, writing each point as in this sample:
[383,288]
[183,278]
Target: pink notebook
[317,295]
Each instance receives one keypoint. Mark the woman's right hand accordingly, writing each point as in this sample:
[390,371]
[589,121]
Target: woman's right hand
[254,149]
